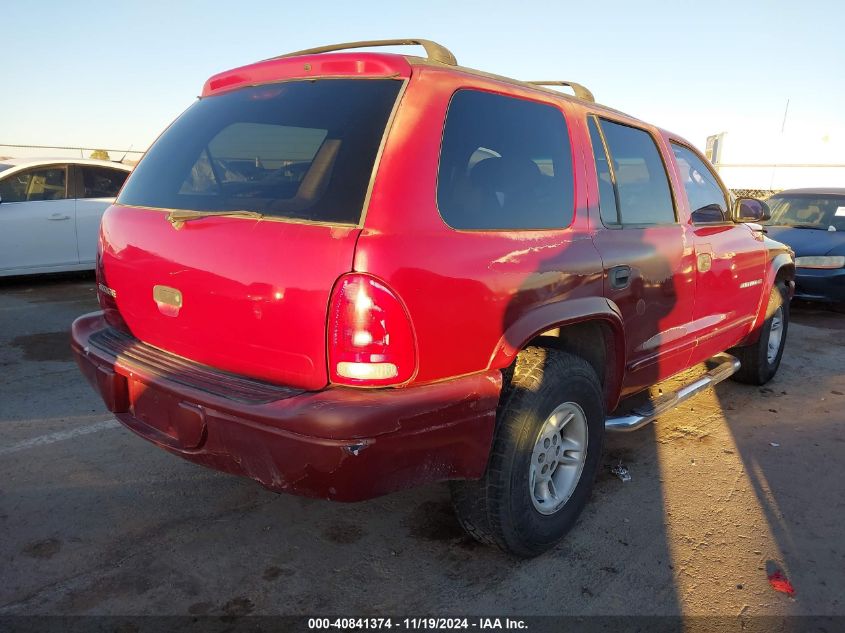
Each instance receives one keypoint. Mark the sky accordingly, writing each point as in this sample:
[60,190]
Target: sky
[114,74]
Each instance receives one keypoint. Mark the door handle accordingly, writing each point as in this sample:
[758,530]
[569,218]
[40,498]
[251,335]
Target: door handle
[58,216]
[620,277]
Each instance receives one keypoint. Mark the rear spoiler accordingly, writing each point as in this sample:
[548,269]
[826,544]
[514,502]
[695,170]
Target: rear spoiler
[435,52]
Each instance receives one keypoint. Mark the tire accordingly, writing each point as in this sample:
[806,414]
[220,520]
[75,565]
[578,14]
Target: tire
[759,364]
[548,388]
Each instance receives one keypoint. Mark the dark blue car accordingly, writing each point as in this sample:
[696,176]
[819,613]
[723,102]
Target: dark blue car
[812,222]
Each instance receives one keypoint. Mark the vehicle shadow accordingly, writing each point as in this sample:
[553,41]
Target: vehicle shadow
[22,281]
[615,562]
[617,559]
[790,447]
[641,547]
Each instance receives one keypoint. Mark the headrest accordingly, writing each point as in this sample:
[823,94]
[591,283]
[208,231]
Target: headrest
[811,212]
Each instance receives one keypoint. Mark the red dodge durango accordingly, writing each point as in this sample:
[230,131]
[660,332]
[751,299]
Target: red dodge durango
[347,273]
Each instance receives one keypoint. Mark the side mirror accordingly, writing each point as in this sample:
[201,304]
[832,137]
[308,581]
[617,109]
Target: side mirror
[751,210]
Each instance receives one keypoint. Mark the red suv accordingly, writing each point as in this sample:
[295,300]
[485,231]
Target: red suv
[344,274]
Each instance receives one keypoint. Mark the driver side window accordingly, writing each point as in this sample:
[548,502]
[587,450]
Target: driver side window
[707,200]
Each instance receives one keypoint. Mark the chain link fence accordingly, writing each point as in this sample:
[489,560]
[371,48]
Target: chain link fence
[760,194]
[128,156]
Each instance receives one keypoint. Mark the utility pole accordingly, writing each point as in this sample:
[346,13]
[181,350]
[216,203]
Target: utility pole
[785,111]
[782,128]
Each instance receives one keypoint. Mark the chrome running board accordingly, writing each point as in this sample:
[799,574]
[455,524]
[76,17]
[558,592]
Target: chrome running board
[640,416]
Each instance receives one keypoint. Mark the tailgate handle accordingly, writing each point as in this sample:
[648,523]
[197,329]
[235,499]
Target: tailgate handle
[620,277]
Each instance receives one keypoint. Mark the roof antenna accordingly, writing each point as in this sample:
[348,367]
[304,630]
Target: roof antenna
[124,155]
[785,112]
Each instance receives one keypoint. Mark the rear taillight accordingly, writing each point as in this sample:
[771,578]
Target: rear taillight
[370,336]
[107,296]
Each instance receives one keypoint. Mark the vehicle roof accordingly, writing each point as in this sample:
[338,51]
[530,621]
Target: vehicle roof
[421,61]
[365,64]
[814,191]
[390,65]
[593,106]
[33,162]
[329,62]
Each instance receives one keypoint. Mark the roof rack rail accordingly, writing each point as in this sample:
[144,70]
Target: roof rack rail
[580,91]
[435,52]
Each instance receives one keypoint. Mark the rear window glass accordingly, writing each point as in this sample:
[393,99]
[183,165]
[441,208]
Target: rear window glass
[299,149]
[101,182]
[505,164]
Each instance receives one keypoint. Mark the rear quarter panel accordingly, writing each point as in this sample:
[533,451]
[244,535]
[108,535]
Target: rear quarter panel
[474,297]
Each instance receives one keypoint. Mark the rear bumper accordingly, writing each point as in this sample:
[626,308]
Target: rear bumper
[339,443]
[817,284]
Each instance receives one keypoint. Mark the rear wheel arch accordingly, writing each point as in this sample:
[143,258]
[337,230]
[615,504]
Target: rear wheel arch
[577,334]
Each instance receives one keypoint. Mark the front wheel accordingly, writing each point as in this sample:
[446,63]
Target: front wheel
[760,361]
[545,455]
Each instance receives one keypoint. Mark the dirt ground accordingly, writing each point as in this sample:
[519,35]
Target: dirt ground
[734,484]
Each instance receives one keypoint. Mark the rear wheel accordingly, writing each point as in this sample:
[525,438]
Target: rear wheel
[760,361]
[545,455]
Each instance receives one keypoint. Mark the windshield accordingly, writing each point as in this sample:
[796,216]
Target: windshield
[810,211]
[299,149]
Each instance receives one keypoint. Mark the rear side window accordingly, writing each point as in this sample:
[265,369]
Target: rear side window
[505,164]
[298,149]
[639,175]
[101,182]
[34,185]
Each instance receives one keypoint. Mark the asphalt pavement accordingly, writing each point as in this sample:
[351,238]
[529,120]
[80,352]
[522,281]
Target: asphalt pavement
[734,484]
